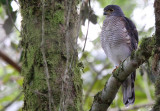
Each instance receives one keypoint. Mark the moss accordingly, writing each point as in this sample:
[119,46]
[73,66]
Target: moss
[157,92]
[78,86]
[146,45]
[59,6]
[116,72]
[33,66]
[58,17]
[133,54]
[147,42]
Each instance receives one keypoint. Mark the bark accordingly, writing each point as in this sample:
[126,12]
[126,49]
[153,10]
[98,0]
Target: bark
[103,99]
[52,80]
[156,60]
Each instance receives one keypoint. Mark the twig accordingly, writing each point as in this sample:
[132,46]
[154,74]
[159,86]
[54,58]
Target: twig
[50,98]
[87,28]
[9,104]
[103,99]
[86,37]
[10,61]
[91,87]
[11,16]
[133,107]
[39,93]
[94,81]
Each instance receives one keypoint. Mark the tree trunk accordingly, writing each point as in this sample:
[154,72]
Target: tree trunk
[156,59]
[52,80]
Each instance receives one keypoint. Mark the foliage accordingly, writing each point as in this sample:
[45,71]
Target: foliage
[11,81]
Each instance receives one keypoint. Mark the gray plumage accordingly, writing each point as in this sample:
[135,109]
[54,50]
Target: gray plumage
[119,38]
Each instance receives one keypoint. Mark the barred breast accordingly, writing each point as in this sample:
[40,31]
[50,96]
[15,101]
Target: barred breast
[115,39]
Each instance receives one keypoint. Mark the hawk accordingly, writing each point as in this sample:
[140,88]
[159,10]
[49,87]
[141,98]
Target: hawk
[119,38]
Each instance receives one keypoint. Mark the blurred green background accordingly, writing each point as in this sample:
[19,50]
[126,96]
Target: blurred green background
[97,69]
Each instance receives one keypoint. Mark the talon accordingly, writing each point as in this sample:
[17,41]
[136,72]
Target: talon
[114,69]
[117,66]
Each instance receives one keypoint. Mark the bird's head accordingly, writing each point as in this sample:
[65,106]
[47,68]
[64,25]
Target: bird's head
[113,10]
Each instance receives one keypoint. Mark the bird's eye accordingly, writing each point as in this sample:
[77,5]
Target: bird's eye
[111,10]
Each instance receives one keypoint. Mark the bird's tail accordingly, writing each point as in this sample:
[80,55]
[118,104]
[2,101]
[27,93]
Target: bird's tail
[128,90]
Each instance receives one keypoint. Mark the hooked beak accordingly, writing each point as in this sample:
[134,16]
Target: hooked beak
[106,13]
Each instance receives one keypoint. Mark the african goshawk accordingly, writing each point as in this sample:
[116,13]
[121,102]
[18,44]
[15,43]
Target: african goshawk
[119,38]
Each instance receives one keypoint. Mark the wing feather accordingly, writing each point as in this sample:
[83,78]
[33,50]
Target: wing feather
[132,31]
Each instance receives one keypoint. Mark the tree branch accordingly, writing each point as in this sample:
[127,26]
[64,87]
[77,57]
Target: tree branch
[150,104]
[10,61]
[104,98]
[15,99]
[10,15]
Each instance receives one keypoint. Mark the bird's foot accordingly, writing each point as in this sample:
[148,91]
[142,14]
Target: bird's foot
[114,69]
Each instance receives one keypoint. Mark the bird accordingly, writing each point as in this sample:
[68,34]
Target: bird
[119,37]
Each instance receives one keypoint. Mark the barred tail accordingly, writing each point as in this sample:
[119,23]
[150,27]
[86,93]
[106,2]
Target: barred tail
[128,90]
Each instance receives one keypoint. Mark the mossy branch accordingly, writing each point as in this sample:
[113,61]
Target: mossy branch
[104,98]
